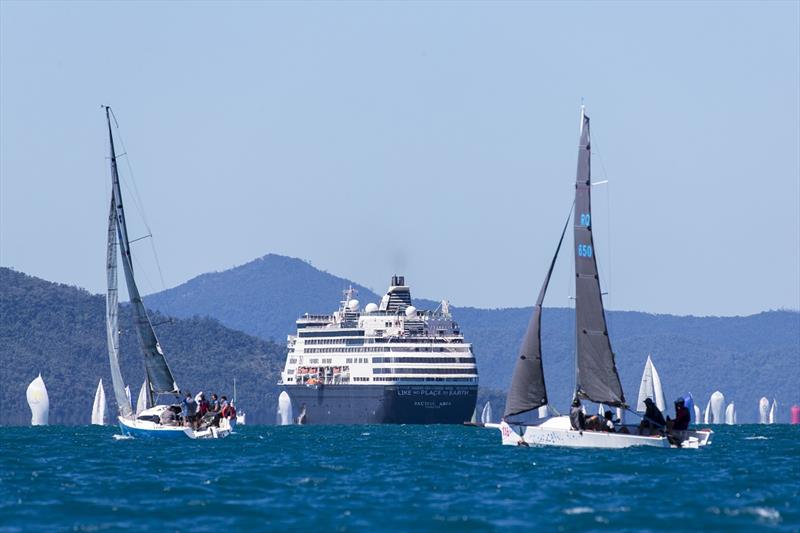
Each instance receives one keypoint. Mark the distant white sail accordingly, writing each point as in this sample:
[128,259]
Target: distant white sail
[543,411]
[621,415]
[718,407]
[143,401]
[473,420]
[773,411]
[696,414]
[763,410]
[650,387]
[99,408]
[601,410]
[730,414]
[285,409]
[486,415]
[128,396]
[707,415]
[39,402]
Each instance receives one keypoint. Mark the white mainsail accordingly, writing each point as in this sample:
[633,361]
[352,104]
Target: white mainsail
[696,414]
[285,409]
[650,387]
[486,415]
[717,407]
[99,407]
[730,414]
[39,402]
[763,410]
[773,411]
[707,415]
[143,401]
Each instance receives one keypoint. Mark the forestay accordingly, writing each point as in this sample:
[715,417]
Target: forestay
[597,377]
[528,389]
[158,372]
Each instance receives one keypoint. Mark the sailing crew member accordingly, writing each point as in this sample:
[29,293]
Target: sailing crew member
[682,417]
[576,416]
[189,409]
[652,419]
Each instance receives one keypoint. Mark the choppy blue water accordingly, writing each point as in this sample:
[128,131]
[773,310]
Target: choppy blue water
[391,477]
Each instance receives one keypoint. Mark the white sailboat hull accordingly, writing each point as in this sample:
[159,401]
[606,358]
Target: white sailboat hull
[135,427]
[557,431]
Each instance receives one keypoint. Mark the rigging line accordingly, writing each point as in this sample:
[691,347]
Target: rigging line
[137,201]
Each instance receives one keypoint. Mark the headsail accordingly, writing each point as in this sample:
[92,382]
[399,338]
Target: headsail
[112,315]
[144,400]
[158,372]
[773,411]
[528,390]
[39,402]
[597,377]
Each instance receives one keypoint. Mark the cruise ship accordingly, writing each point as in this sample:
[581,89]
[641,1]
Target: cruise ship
[389,363]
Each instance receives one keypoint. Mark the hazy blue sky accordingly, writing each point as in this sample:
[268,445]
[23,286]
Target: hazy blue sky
[436,140]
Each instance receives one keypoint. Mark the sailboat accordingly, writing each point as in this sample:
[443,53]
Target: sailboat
[717,406]
[285,409]
[597,379]
[99,407]
[38,401]
[763,410]
[650,387]
[773,411]
[730,414]
[486,414]
[159,379]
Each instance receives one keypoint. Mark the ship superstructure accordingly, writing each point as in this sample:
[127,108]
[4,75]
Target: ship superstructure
[387,363]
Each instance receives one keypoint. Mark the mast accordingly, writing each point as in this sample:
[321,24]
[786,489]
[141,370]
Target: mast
[597,379]
[156,368]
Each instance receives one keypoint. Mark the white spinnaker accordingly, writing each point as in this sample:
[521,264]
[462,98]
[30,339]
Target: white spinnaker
[543,411]
[730,414]
[717,407]
[773,411]
[39,402]
[143,401]
[650,387]
[486,415]
[285,409]
[99,407]
[763,410]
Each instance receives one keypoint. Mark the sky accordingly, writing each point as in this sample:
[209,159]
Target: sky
[435,140]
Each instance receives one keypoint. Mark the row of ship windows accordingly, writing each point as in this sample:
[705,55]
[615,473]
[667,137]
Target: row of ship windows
[465,360]
[423,371]
[387,349]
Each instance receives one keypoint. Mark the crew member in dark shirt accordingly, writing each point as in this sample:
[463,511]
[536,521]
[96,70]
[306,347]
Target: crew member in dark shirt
[576,415]
[652,419]
[682,417]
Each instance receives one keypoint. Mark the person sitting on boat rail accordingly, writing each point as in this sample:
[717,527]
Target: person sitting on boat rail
[682,417]
[576,416]
[214,405]
[653,418]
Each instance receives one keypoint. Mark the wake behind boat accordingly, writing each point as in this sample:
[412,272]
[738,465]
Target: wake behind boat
[160,421]
[597,379]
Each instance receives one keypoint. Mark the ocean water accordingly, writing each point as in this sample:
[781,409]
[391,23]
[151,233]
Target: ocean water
[391,478]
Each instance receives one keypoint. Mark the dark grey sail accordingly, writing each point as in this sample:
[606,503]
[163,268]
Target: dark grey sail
[528,390]
[597,377]
[158,372]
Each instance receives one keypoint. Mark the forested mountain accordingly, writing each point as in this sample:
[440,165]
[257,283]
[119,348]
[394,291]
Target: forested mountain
[744,357]
[59,331]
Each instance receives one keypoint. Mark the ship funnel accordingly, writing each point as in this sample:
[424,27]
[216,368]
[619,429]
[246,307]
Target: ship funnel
[398,281]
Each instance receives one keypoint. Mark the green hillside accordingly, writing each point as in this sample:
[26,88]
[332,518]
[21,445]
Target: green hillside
[59,331]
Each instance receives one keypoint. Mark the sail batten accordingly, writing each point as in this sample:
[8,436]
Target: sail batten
[528,390]
[157,371]
[597,378]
